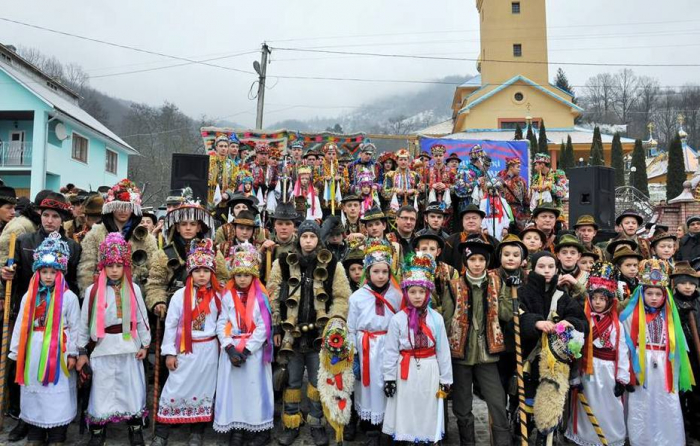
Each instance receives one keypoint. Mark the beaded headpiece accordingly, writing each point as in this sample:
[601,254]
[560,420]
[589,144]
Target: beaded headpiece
[51,253]
[476,152]
[190,210]
[201,255]
[244,259]
[114,250]
[419,270]
[377,250]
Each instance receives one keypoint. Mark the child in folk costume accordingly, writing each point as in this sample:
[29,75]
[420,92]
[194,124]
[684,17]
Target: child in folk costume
[366,189]
[660,361]
[245,399]
[416,364]
[191,349]
[626,264]
[305,195]
[371,309]
[604,368]
[114,317]
[685,294]
[44,346]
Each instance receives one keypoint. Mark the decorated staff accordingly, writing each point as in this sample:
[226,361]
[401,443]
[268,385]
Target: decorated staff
[7,305]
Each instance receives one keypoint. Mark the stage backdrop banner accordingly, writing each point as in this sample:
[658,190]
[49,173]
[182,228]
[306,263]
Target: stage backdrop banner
[497,150]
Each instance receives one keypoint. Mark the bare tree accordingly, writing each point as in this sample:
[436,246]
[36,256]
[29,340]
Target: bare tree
[665,118]
[624,94]
[647,93]
[399,125]
[689,105]
[599,91]
[75,77]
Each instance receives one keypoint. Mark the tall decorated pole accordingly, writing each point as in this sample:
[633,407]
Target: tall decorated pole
[6,331]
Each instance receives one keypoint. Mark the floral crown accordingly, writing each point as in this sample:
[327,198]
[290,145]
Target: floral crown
[201,255]
[114,250]
[244,259]
[438,149]
[419,270]
[123,196]
[543,158]
[52,253]
[378,250]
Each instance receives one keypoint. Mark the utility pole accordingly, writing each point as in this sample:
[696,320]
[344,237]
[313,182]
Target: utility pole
[261,69]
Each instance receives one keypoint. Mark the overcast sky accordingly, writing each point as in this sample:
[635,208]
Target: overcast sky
[596,31]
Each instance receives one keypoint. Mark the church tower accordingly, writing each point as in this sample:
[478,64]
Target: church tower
[513,40]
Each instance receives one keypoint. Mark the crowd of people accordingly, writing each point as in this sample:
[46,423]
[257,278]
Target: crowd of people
[384,289]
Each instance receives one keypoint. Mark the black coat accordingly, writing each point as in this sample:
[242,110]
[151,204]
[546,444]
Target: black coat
[24,259]
[688,247]
[453,256]
[535,301]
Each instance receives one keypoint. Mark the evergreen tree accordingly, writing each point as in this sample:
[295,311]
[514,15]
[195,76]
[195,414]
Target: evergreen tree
[675,175]
[638,178]
[567,160]
[518,132]
[542,146]
[617,161]
[596,156]
[561,81]
[533,142]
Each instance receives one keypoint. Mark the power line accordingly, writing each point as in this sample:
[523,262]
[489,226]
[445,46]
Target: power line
[465,59]
[117,45]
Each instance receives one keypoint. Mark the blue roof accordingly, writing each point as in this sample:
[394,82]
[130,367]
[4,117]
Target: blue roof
[473,82]
[512,81]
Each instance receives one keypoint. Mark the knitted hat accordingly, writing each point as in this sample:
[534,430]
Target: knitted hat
[244,259]
[602,275]
[190,211]
[542,158]
[654,273]
[201,255]
[437,149]
[586,220]
[309,226]
[377,250]
[692,219]
[52,253]
[123,196]
[114,250]
[419,270]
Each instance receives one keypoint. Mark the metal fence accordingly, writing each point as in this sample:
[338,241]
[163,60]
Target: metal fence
[15,153]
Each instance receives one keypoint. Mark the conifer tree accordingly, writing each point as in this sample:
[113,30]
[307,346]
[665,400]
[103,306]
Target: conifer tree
[518,132]
[596,156]
[542,146]
[675,175]
[638,178]
[617,161]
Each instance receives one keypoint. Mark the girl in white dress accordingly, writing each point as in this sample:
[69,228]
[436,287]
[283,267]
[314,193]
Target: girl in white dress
[659,354]
[371,308]
[114,317]
[417,364]
[44,346]
[244,393]
[604,367]
[191,349]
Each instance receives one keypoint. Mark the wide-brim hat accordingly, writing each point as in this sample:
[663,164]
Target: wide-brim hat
[8,195]
[428,234]
[434,208]
[629,213]
[569,240]
[656,226]
[586,220]
[474,246]
[93,205]
[356,255]
[683,268]
[245,218]
[373,214]
[453,156]
[509,240]
[546,207]
[624,252]
[588,253]
[250,201]
[285,211]
[533,228]
[613,245]
[56,202]
[662,236]
[472,208]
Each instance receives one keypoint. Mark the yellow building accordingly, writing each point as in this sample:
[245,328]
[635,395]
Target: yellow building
[513,84]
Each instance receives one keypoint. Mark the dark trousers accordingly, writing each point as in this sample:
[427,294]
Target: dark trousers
[492,391]
[52,435]
[308,360]
[163,430]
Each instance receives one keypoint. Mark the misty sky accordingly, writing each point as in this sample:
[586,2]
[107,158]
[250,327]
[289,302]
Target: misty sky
[579,31]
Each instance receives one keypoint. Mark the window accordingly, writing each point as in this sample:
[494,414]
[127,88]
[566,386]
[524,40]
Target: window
[111,162]
[518,97]
[515,7]
[80,148]
[517,50]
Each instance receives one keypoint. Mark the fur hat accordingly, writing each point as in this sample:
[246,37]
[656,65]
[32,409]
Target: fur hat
[93,205]
[377,250]
[419,270]
[123,196]
[244,259]
[114,250]
[52,253]
[201,255]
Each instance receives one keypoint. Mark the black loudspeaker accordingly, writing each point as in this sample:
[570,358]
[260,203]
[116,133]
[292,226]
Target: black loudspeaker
[592,192]
[190,171]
